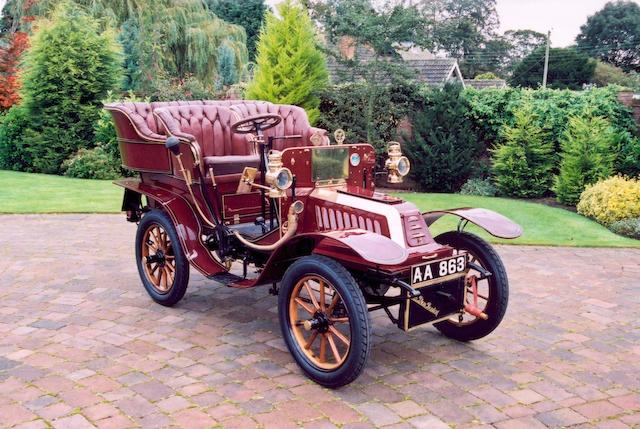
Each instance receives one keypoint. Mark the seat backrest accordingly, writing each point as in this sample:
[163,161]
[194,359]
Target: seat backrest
[141,115]
[209,125]
[294,122]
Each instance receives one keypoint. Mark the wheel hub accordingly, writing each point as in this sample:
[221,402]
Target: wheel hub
[320,322]
[157,258]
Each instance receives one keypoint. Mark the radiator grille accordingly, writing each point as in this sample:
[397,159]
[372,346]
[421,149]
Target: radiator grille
[334,219]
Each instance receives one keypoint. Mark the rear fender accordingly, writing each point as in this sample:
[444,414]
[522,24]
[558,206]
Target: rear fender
[492,222]
[186,222]
[356,245]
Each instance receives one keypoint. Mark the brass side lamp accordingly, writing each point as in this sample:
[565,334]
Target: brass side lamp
[278,178]
[397,165]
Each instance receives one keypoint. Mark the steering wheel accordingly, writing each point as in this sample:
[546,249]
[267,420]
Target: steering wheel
[255,124]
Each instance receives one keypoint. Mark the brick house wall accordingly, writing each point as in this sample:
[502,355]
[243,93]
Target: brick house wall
[631,100]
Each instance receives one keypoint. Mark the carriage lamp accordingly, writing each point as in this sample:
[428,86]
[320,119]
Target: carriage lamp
[279,178]
[397,165]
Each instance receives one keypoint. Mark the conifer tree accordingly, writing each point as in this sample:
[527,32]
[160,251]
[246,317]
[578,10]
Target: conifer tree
[523,162]
[69,69]
[587,156]
[227,65]
[290,67]
[443,145]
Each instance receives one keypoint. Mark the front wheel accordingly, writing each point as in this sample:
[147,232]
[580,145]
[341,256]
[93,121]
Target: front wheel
[324,320]
[162,264]
[492,291]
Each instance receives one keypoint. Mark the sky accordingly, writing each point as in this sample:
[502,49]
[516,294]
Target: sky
[562,17]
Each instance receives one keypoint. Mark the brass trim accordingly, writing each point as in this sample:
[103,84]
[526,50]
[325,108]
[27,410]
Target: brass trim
[131,141]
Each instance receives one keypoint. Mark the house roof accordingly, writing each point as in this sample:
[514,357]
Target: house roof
[434,72]
[485,83]
[427,68]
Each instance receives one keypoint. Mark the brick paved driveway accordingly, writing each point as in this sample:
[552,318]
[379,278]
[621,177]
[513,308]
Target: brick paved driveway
[81,344]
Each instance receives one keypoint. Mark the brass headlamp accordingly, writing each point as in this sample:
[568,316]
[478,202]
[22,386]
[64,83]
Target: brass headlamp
[397,165]
[278,178]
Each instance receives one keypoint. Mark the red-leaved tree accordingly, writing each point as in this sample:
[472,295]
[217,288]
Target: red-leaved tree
[9,61]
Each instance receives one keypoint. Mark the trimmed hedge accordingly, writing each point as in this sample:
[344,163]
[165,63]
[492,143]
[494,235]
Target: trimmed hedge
[376,112]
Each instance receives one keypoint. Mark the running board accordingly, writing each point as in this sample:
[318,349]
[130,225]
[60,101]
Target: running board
[232,280]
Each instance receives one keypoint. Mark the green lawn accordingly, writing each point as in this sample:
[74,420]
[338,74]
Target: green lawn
[42,193]
[543,225]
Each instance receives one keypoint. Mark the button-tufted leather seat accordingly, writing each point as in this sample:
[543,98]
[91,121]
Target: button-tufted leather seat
[294,122]
[228,154]
[210,125]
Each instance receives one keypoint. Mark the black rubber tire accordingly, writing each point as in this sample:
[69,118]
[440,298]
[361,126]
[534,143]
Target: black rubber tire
[175,294]
[498,287]
[355,305]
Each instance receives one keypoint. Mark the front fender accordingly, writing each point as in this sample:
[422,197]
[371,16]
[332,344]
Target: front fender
[492,222]
[373,248]
[355,245]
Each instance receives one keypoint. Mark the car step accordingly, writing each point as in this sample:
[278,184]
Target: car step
[232,280]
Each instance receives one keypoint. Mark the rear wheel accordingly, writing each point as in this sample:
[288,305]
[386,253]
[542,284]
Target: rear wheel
[492,291]
[324,320]
[162,264]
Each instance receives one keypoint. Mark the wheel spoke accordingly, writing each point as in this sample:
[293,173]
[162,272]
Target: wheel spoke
[151,244]
[339,334]
[312,295]
[304,305]
[339,319]
[153,232]
[312,338]
[154,269]
[322,298]
[323,348]
[159,279]
[334,302]
[486,298]
[165,280]
[334,349]
[167,277]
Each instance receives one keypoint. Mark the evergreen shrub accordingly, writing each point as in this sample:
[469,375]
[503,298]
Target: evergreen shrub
[96,163]
[344,106]
[627,227]
[69,69]
[290,68]
[481,187]
[586,157]
[13,153]
[442,146]
[523,162]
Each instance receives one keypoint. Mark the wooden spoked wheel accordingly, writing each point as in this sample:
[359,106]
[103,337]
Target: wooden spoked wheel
[158,258]
[320,322]
[324,320]
[492,291]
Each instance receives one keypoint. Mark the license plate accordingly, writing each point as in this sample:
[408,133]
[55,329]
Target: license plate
[438,271]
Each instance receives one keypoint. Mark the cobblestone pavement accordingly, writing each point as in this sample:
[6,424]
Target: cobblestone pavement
[81,345]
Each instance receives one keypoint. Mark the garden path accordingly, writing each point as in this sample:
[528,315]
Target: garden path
[82,345]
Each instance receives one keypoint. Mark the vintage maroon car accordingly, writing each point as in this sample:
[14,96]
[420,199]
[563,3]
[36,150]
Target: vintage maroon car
[252,182]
